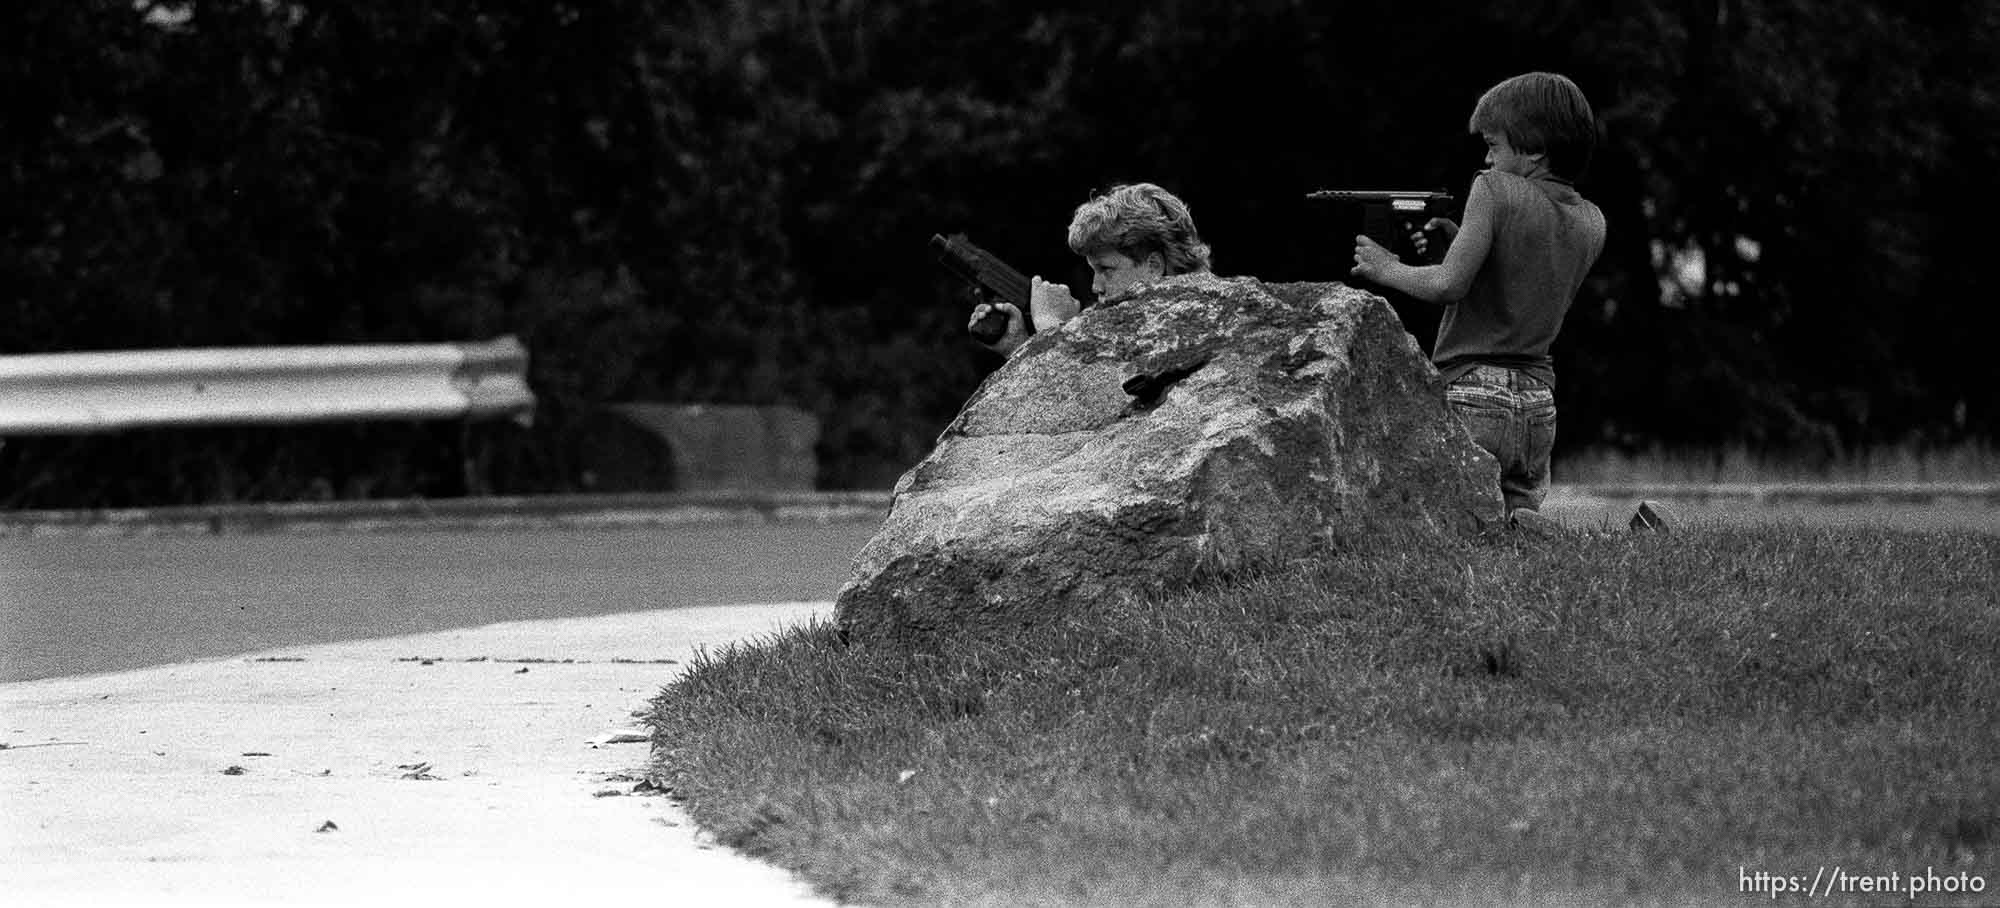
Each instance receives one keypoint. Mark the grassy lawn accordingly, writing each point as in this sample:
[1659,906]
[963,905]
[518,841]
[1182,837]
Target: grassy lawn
[1592,719]
[1964,462]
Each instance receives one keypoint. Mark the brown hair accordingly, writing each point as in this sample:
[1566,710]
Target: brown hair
[1541,113]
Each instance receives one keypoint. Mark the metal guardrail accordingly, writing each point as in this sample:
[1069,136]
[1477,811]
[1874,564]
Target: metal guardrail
[83,393]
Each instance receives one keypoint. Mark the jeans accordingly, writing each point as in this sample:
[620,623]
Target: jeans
[1513,416]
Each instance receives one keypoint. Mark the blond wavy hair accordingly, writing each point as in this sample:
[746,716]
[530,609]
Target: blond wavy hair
[1139,219]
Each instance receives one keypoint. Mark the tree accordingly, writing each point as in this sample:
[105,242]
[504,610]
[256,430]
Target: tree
[728,201]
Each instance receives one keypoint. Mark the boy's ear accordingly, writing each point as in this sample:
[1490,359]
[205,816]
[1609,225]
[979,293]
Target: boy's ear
[1156,263]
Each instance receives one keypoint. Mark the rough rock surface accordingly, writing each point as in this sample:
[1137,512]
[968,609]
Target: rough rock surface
[1203,423]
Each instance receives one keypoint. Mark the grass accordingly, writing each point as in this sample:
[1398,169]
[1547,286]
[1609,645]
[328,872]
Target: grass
[1598,718]
[1968,462]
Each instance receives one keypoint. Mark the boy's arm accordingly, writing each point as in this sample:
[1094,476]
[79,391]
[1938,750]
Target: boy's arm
[1449,280]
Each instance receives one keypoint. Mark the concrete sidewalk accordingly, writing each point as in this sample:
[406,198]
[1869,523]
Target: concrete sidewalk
[436,769]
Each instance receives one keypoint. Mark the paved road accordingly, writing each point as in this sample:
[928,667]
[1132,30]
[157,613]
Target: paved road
[73,604]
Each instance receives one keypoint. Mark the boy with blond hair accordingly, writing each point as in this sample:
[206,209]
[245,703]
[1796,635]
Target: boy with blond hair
[1127,234]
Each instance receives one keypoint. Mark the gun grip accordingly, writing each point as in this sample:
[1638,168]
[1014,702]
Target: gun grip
[1381,225]
[1436,242]
[990,327]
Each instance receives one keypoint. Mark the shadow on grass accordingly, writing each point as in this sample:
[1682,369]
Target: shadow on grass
[1597,717]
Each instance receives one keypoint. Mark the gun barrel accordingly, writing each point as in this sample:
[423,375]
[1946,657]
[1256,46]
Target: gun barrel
[951,258]
[965,259]
[1378,195]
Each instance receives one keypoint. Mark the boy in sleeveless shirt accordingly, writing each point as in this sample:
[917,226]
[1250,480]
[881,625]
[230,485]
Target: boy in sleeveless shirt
[1509,275]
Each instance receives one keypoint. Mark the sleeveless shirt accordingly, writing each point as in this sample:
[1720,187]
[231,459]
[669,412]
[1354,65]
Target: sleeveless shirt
[1545,238]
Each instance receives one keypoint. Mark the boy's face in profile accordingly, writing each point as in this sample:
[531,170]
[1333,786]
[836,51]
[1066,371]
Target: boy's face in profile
[1112,272]
[1501,156]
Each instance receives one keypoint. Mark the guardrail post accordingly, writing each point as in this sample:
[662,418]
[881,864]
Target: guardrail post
[473,458]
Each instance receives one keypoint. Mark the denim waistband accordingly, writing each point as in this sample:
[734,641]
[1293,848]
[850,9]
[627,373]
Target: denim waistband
[1506,378]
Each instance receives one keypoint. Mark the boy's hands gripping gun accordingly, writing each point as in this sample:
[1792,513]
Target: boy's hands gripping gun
[986,273]
[1395,218]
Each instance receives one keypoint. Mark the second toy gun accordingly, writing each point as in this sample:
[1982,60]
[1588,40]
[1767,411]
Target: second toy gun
[1392,217]
[986,272]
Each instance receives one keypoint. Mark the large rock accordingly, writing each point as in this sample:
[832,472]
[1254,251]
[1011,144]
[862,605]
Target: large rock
[1205,423]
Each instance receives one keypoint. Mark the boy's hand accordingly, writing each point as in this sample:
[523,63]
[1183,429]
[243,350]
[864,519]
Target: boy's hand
[1016,334]
[1052,304]
[1421,237]
[1370,259]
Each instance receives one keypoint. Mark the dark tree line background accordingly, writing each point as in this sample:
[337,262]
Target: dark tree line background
[728,201]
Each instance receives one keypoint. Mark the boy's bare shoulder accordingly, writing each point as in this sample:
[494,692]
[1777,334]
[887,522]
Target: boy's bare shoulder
[1504,190]
[1509,188]
[1502,181]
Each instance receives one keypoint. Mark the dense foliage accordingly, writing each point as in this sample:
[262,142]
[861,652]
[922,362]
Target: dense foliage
[727,201]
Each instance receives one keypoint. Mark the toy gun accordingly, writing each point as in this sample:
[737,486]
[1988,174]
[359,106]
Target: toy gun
[1390,217]
[978,267]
